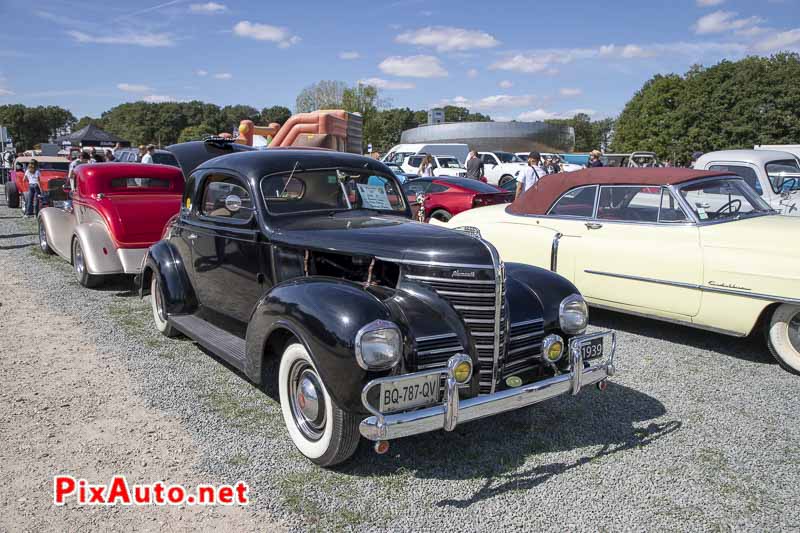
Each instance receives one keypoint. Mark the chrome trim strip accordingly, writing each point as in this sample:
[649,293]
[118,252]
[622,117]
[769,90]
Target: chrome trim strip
[527,323]
[525,348]
[538,333]
[478,321]
[474,307]
[431,263]
[436,337]
[448,280]
[704,288]
[554,252]
[441,350]
[470,294]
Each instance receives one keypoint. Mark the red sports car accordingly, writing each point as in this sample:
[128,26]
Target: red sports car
[53,172]
[117,211]
[446,197]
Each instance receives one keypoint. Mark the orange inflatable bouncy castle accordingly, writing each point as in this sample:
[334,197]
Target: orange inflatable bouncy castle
[335,129]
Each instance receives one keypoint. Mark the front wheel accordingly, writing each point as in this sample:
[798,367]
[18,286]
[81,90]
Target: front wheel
[43,244]
[504,179]
[783,337]
[318,427]
[159,312]
[79,265]
[441,215]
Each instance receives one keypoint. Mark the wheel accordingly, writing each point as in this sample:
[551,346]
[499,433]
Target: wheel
[317,426]
[12,195]
[159,314]
[783,337]
[43,244]
[504,179]
[79,264]
[441,215]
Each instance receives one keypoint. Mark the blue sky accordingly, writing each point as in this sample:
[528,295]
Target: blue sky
[511,59]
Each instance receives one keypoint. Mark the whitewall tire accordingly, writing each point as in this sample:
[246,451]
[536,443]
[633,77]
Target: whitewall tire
[159,313]
[783,337]
[317,426]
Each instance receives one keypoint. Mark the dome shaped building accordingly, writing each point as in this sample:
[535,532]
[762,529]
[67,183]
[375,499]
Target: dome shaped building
[488,136]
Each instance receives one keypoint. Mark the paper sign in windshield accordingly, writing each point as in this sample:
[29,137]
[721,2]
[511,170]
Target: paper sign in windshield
[374,197]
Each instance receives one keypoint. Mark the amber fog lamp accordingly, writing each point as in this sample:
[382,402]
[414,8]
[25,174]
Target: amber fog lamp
[553,348]
[462,371]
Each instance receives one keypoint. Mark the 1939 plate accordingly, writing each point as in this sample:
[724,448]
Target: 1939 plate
[594,347]
[409,393]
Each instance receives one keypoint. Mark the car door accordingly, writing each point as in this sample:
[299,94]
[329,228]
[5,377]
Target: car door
[491,167]
[227,257]
[640,251]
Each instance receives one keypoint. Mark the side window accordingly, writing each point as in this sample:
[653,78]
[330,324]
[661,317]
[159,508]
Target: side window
[488,159]
[629,204]
[747,173]
[576,203]
[435,187]
[416,186]
[415,161]
[226,197]
[671,210]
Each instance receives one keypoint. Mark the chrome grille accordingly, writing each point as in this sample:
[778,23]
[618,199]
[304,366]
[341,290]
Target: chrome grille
[434,351]
[524,347]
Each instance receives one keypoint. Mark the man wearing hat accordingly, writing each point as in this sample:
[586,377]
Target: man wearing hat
[530,174]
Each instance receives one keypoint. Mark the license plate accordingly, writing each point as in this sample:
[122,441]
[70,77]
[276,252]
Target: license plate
[592,349]
[409,393]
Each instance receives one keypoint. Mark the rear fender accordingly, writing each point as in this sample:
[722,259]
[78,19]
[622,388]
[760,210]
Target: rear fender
[59,226]
[99,251]
[325,314]
[164,261]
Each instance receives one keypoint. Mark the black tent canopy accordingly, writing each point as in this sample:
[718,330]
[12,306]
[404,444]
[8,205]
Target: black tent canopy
[91,135]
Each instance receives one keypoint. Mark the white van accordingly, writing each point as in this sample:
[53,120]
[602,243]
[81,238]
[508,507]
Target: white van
[400,152]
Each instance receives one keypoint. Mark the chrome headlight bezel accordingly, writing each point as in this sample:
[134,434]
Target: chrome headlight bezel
[547,343]
[365,355]
[573,314]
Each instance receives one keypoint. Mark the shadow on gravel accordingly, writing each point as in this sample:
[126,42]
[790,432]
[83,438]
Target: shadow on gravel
[752,349]
[15,235]
[493,449]
[122,284]
[16,246]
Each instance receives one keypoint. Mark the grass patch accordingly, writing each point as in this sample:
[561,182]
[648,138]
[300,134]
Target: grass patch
[308,493]
[239,459]
[130,315]
[243,413]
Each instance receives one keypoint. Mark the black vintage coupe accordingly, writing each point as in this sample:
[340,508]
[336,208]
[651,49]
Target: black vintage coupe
[308,261]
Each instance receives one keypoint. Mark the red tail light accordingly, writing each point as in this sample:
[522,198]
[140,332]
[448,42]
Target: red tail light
[480,200]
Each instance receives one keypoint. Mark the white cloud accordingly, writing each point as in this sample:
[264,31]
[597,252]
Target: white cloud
[570,92]
[201,72]
[629,51]
[133,88]
[381,83]
[133,39]
[472,73]
[265,32]
[413,66]
[6,92]
[448,39]
[159,98]
[349,55]
[709,3]
[223,76]
[506,84]
[780,41]
[498,101]
[723,21]
[209,8]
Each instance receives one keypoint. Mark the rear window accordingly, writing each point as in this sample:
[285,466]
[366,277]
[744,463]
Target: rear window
[165,159]
[140,183]
[473,185]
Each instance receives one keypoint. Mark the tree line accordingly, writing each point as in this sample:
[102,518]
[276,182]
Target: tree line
[733,104]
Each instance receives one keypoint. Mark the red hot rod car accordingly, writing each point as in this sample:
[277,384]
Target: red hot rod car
[117,211]
[53,172]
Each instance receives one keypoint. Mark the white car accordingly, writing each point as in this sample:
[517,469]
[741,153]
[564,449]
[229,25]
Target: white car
[565,167]
[400,152]
[501,167]
[443,165]
[775,175]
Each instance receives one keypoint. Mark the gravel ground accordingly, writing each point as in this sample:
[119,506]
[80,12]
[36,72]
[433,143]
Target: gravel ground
[697,432]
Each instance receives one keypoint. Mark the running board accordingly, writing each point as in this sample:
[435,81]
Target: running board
[220,342]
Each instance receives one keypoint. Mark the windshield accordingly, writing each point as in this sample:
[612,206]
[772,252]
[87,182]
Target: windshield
[331,190]
[784,176]
[46,165]
[508,157]
[728,197]
[448,162]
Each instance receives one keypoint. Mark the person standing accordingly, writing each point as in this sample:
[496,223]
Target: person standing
[32,176]
[426,167]
[474,166]
[594,159]
[109,156]
[530,174]
[147,158]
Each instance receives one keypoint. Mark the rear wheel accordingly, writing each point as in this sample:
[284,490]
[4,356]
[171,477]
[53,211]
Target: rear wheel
[504,179]
[322,431]
[441,215]
[43,244]
[159,311]
[79,265]
[783,337]
[12,195]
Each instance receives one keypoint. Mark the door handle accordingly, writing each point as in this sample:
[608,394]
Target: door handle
[593,225]
[191,236]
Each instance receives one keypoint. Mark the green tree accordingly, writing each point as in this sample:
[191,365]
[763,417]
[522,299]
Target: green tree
[461,114]
[196,133]
[29,126]
[325,94]
[276,113]
[234,114]
[85,121]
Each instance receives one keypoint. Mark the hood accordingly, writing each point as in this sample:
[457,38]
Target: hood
[139,220]
[774,234]
[381,236]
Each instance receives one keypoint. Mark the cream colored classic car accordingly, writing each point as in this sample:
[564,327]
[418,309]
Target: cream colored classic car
[694,247]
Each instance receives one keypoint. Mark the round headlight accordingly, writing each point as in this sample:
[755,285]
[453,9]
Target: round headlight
[552,348]
[379,345]
[573,315]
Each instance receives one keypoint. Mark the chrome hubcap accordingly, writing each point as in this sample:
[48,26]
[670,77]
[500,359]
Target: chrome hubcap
[794,331]
[159,302]
[79,266]
[307,401]
[42,238]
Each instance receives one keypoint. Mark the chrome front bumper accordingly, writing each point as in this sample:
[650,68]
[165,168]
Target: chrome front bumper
[451,411]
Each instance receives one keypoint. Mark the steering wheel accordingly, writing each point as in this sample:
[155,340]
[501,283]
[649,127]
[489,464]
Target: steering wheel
[729,207]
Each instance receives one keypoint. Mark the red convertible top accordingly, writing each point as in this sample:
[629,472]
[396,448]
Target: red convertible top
[537,201]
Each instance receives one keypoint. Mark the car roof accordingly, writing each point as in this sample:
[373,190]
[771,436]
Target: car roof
[750,156]
[537,200]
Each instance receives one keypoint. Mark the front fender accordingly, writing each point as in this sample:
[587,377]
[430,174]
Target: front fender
[325,314]
[547,289]
[99,251]
[165,262]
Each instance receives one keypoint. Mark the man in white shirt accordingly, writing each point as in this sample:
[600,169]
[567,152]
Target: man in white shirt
[147,158]
[530,174]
